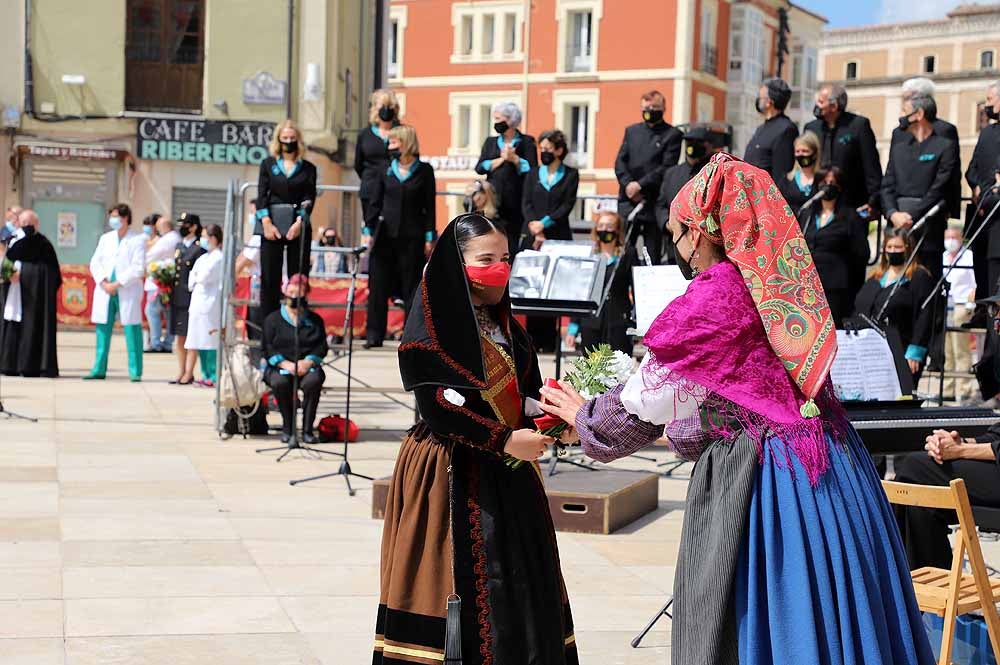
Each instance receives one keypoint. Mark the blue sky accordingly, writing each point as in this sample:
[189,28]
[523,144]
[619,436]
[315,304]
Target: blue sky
[849,13]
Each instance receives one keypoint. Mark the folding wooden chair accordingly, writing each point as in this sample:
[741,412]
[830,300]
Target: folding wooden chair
[948,593]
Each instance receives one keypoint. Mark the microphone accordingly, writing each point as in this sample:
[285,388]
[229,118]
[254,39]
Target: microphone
[923,220]
[815,197]
[635,211]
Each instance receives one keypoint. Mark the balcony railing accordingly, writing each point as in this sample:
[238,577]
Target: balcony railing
[709,59]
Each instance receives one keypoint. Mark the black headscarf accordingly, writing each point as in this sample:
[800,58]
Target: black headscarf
[441,342]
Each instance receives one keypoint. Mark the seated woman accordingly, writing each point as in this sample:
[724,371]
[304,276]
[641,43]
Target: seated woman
[801,181]
[789,552]
[838,240]
[899,307]
[283,362]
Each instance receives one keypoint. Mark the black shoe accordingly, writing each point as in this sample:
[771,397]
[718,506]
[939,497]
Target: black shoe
[309,438]
[286,437]
[372,345]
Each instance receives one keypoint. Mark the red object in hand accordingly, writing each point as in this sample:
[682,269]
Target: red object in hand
[548,421]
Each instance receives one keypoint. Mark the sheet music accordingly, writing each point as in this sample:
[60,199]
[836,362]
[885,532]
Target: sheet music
[654,288]
[864,369]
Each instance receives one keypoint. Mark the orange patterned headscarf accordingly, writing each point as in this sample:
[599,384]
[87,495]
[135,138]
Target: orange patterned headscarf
[738,206]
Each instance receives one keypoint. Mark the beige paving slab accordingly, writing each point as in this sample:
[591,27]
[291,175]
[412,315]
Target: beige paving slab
[72,507]
[622,611]
[322,580]
[29,528]
[84,553]
[334,615]
[41,651]
[31,618]
[26,553]
[128,489]
[282,499]
[336,649]
[149,527]
[277,649]
[110,468]
[28,499]
[30,583]
[346,552]
[175,616]
[163,581]
[274,528]
[28,474]
[613,648]
[627,552]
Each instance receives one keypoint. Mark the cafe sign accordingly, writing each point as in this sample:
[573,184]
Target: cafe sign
[207,141]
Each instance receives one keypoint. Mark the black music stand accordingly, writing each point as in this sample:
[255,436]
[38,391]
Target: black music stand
[345,465]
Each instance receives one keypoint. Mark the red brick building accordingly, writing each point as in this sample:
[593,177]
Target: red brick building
[579,65]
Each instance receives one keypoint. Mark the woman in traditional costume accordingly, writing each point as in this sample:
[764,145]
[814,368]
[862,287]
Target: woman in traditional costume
[470,569]
[789,552]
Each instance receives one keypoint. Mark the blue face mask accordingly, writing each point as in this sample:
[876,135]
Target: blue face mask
[115,223]
[148,230]
[204,244]
[10,226]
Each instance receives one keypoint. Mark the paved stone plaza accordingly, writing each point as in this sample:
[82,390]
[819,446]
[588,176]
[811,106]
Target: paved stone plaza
[131,534]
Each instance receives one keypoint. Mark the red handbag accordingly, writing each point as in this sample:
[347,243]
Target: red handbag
[331,429]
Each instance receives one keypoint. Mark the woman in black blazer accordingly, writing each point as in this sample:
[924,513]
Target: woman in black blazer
[838,240]
[400,229]
[286,177]
[505,160]
[549,194]
[371,154]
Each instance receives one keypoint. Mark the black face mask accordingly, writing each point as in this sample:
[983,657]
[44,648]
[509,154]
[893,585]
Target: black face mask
[818,112]
[330,241]
[296,303]
[386,113]
[697,151]
[904,122]
[547,157]
[758,105]
[394,153]
[805,161]
[682,263]
[289,146]
[896,258]
[652,116]
[185,230]
[29,231]
[606,236]
[501,127]
[831,192]
[992,113]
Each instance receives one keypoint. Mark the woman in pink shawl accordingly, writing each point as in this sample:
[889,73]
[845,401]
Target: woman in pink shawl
[789,551]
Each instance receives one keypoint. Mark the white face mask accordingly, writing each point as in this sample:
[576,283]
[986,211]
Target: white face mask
[952,244]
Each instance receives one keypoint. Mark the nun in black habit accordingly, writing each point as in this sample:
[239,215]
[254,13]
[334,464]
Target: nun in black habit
[469,556]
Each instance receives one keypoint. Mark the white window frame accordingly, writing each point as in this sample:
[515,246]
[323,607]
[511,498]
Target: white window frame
[562,100]
[477,11]
[979,64]
[857,70]
[476,101]
[704,107]
[563,25]
[398,15]
[709,29]
[923,63]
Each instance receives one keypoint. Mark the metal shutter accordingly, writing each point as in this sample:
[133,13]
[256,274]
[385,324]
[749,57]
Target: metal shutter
[208,204]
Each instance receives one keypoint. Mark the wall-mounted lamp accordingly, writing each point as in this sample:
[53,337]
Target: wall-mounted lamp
[222,106]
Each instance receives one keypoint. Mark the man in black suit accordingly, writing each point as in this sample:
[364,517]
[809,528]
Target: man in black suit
[847,142]
[981,176]
[648,149]
[772,146]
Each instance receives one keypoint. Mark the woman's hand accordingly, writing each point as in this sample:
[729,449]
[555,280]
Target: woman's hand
[288,366]
[303,366]
[536,227]
[295,229]
[914,366]
[527,444]
[563,402]
[539,239]
[270,230]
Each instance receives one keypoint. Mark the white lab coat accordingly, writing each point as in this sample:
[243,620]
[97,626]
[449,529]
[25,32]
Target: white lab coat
[162,250]
[204,314]
[127,261]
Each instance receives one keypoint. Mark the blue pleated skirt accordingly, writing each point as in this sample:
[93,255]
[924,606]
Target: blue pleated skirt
[824,578]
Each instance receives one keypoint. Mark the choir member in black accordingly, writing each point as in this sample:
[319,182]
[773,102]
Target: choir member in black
[188,251]
[505,160]
[400,229]
[799,185]
[549,194]
[980,177]
[549,198]
[847,142]
[700,143]
[925,86]
[8,234]
[917,177]
[990,194]
[949,455]
[838,240]
[903,311]
[279,349]
[371,153]
[28,346]
[286,177]
[616,316]
[648,149]
[772,146]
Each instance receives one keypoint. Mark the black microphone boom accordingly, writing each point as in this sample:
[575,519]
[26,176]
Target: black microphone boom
[815,197]
[923,220]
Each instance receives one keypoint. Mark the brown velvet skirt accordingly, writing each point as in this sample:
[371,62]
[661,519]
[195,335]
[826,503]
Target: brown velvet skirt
[501,560]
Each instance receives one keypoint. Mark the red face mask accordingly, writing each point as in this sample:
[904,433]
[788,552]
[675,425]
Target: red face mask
[488,282]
